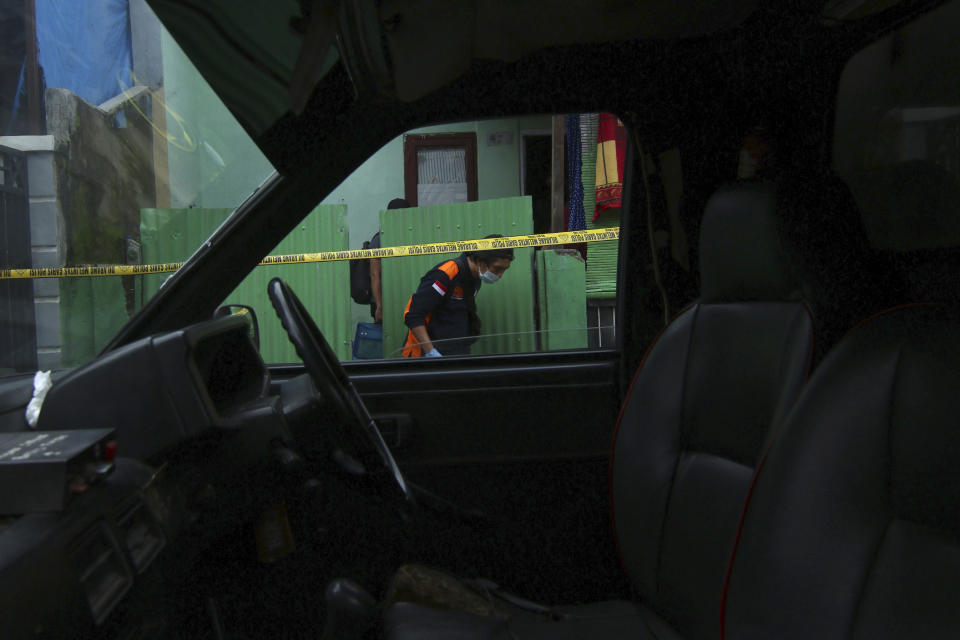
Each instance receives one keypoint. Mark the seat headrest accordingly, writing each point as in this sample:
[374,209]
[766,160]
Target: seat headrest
[741,256]
[786,240]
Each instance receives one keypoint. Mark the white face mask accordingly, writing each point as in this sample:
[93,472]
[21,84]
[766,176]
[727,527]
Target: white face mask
[489,277]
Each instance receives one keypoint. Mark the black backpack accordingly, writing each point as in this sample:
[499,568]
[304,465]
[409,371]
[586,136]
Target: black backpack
[360,274]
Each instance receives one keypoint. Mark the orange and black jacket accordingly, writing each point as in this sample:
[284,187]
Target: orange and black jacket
[444,304]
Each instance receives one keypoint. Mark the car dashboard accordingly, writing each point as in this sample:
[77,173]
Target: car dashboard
[162,390]
[201,444]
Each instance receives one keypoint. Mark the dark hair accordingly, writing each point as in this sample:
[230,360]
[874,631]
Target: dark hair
[491,255]
[398,203]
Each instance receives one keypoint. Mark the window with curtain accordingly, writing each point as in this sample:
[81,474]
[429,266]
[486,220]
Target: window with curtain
[441,175]
[440,168]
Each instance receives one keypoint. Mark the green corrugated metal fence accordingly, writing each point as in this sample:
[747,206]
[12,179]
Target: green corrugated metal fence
[504,308]
[171,235]
[563,301]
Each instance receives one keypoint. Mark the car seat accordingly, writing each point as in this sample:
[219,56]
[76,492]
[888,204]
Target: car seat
[778,261]
[852,529]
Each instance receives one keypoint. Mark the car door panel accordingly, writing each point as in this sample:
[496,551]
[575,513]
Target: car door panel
[488,411]
[522,439]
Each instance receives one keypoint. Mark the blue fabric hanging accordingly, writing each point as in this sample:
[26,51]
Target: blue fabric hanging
[85,47]
[578,220]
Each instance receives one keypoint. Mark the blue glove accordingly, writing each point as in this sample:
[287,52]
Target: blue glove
[433,353]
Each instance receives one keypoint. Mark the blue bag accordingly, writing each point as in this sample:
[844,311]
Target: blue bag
[368,341]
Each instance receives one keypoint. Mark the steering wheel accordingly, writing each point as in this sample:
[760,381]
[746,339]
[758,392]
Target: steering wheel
[329,376]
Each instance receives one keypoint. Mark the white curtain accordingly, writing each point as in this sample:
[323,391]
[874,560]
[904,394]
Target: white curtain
[441,175]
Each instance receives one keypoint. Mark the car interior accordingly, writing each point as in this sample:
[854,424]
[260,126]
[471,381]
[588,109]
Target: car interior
[769,449]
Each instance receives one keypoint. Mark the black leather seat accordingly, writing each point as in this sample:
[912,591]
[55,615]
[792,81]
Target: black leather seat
[698,414]
[853,527]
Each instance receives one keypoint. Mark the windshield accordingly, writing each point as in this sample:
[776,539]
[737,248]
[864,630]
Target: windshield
[113,151]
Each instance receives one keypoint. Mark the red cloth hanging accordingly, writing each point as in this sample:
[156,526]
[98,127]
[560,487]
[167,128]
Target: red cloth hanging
[611,154]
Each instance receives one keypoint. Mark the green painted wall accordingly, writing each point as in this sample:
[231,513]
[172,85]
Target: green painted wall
[368,189]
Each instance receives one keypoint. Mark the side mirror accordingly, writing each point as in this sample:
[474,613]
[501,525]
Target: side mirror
[245,312]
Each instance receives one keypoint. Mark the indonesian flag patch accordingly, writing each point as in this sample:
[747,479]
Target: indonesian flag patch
[439,288]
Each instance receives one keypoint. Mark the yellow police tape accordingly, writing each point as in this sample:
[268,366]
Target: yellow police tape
[513,242]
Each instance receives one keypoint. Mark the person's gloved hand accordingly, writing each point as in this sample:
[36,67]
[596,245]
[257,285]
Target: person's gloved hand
[433,353]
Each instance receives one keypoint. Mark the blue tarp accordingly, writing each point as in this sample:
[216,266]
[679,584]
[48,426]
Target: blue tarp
[84,46]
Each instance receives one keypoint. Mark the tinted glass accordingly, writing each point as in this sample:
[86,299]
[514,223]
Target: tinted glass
[114,151]
[897,133]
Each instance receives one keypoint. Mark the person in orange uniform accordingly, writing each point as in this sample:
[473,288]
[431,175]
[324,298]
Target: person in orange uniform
[443,308]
